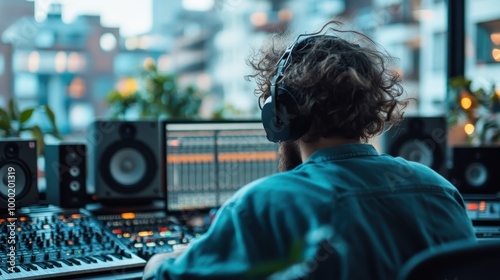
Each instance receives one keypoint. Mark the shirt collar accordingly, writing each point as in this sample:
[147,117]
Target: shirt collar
[343,152]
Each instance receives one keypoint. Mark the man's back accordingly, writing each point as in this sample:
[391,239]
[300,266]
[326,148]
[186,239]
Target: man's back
[382,209]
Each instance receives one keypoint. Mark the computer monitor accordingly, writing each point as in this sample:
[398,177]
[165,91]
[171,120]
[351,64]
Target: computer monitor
[206,162]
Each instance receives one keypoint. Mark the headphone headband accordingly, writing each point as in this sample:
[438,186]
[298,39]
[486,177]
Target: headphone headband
[281,116]
[285,58]
[285,61]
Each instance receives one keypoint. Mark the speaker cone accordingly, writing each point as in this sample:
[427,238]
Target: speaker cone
[73,158]
[19,179]
[418,151]
[128,166]
[74,186]
[476,174]
[419,139]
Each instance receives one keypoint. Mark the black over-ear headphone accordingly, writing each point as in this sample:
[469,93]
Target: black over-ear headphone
[281,117]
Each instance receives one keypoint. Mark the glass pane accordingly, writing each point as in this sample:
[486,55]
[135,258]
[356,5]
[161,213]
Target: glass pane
[205,44]
[412,31]
[483,42]
[482,70]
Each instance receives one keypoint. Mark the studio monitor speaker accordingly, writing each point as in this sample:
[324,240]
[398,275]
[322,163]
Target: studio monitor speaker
[475,170]
[419,139]
[65,174]
[18,173]
[126,160]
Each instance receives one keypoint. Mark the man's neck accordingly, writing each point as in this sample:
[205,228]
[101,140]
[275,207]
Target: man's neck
[307,148]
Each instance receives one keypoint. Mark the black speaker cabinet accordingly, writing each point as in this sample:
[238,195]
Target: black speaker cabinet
[419,139]
[475,170]
[126,160]
[18,173]
[66,174]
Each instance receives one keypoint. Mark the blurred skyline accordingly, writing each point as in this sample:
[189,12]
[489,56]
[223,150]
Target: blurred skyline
[72,61]
[133,17]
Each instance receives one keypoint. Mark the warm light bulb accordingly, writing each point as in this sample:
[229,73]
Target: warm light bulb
[469,128]
[285,15]
[466,102]
[258,18]
[77,88]
[34,61]
[127,87]
[60,62]
[495,38]
[495,53]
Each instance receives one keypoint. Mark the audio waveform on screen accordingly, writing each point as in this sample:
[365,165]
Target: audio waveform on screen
[207,163]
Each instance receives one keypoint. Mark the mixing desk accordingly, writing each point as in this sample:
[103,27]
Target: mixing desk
[52,243]
[60,244]
[149,233]
[485,216]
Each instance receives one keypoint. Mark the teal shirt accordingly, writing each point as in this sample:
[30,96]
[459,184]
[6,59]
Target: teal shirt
[379,211]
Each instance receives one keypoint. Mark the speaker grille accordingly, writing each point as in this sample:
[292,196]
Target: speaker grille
[66,172]
[18,173]
[128,166]
[126,160]
[419,139]
[474,170]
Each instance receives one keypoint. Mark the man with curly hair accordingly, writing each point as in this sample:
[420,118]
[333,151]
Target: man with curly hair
[338,209]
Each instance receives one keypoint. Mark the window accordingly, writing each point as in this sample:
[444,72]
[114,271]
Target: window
[482,19]
[201,43]
[488,42]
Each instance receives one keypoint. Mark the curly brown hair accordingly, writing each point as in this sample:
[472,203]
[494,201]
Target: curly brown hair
[344,89]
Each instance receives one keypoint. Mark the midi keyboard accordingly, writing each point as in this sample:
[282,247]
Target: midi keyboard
[60,244]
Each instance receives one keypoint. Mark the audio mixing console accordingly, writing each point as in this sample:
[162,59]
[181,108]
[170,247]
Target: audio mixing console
[52,244]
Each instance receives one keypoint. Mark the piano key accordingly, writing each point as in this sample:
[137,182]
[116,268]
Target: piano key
[68,271]
[75,261]
[68,263]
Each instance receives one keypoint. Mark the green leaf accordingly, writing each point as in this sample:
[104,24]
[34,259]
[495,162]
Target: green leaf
[113,96]
[40,142]
[460,82]
[495,137]
[4,120]
[14,111]
[25,115]
[52,119]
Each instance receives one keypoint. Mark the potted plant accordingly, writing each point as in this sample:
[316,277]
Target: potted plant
[14,123]
[156,94]
[475,110]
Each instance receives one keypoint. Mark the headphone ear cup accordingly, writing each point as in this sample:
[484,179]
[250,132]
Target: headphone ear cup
[283,121]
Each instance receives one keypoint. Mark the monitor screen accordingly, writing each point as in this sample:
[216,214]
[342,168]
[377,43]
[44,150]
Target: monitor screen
[207,161]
